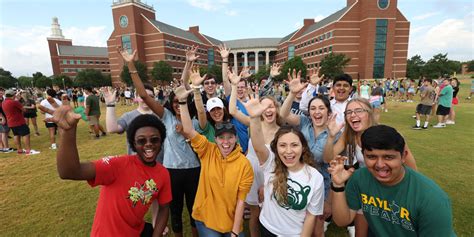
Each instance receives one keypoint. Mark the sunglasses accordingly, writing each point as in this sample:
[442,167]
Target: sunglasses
[143,141]
[224,125]
[209,83]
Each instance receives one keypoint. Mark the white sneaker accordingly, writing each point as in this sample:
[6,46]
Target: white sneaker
[33,152]
[351,230]
[450,122]
[326,224]
[53,146]
[439,125]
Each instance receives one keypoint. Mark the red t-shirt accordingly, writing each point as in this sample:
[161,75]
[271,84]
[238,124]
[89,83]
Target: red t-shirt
[128,189]
[14,112]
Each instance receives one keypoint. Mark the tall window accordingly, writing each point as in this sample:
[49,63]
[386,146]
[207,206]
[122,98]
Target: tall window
[291,51]
[210,57]
[380,47]
[127,43]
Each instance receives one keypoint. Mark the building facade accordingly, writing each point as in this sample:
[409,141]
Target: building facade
[68,59]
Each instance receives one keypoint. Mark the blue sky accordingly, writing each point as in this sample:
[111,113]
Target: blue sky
[445,26]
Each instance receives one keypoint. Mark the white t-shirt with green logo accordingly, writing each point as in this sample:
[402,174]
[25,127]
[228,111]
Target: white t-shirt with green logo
[305,193]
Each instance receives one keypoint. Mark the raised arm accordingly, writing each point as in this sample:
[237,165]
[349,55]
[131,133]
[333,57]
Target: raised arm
[182,95]
[224,51]
[110,118]
[341,213]
[308,92]
[234,80]
[295,85]
[255,109]
[196,81]
[334,128]
[67,157]
[155,106]
[190,58]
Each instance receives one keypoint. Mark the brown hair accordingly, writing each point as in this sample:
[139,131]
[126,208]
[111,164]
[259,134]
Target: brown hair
[278,119]
[280,179]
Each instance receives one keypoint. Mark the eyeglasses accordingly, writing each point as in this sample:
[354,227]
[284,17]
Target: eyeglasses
[209,83]
[357,112]
[143,141]
[224,125]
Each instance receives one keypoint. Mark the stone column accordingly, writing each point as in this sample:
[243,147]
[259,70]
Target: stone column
[246,63]
[267,57]
[256,61]
[235,61]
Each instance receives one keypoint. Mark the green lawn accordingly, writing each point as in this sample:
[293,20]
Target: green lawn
[35,202]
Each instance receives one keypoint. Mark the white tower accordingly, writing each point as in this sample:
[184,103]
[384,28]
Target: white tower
[56,31]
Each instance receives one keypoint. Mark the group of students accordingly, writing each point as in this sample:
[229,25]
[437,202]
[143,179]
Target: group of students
[293,171]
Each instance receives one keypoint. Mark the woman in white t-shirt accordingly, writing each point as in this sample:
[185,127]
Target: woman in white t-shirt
[293,189]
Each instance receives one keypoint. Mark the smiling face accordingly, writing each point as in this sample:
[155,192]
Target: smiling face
[318,113]
[357,116]
[217,114]
[241,90]
[210,86]
[342,90]
[226,143]
[385,165]
[270,114]
[147,143]
[290,150]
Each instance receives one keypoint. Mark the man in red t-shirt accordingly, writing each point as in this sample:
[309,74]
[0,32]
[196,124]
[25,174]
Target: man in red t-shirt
[129,183]
[14,112]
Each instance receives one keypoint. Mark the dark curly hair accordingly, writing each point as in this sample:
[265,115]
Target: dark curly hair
[144,120]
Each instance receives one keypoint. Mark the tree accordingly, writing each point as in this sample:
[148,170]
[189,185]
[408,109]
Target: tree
[214,69]
[470,66]
[294,63]
[415,67]
[333,64]
[440,65]
[263,72]
[90,77]
[58,81]
[162,71]
[41,81]
[25,81]
[141,69]
[6,79]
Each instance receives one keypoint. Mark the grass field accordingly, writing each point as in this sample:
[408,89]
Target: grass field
[34,201]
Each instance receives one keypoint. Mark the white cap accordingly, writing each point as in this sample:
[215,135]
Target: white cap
[213,103]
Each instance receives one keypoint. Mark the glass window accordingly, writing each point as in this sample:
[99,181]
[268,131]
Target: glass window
[380,45]
[210,56]
[381,38]
[379,53]
[291,51]
[126,43]
[381,30]
[383,4]
[64,61]
[378,71]
[379,60]
[382,22]
[71,61]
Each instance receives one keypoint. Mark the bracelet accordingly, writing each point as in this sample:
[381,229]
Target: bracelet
[233,233]
[131,72]
[195,87]
[337,189]
[182,102]
[110,105]
[225,61]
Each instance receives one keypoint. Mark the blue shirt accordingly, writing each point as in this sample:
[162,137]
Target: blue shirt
[242,130]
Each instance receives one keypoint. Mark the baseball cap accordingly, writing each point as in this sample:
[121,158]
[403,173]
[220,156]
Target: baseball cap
[221,128]
[213,103]
[10,93]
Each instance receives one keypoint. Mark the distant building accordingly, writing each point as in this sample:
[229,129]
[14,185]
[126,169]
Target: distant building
[68,59]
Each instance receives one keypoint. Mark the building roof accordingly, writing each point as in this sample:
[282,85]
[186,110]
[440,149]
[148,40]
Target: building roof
[85,51]
[286,38]
[331,18]
[172,30]
[253,43]
[214,41]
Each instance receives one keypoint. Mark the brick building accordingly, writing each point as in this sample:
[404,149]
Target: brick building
[68,59]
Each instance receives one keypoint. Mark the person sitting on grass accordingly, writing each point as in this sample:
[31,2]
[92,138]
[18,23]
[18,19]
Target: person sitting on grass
[395,199]
[129,183]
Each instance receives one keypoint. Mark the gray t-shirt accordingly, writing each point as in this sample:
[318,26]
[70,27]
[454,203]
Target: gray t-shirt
[178,153]
[125,121]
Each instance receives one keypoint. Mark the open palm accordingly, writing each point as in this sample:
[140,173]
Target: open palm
[294,81]
[314,79]
[127,56]
[191,54]
[339,175]
[255,108]
[275,70]
[109,94]
[181,93]
[195,77]
[224,51]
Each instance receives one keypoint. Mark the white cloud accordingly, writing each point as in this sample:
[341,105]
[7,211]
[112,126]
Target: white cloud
[425,16]
[452,36]
[214,5]
[25,49]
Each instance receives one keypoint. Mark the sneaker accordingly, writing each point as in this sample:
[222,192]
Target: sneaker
[439,125]
[32,152]
[97,136]
[37,134]
[414,116]
[7,150]
[424,127]
[450,122]
[104,134]
[326,224]
[53,146]
[351,230]
[386,110]
[416,127]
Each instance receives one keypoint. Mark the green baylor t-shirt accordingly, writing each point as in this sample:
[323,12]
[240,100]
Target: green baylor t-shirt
[416,206]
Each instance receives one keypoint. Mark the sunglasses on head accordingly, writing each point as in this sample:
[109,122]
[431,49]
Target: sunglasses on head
[143,141]
[224,125]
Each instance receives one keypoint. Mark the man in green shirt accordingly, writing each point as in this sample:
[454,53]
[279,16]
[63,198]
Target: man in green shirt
[445,98]
[395,200]
[93,112]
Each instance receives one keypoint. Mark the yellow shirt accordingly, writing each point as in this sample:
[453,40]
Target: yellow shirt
[222,182]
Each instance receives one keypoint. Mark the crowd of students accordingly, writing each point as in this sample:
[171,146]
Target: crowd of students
[313,154]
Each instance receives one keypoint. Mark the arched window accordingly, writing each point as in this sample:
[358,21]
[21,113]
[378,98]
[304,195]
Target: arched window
[383,4]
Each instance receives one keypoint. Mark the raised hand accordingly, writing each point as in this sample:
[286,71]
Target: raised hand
[245,73]
[333,126]
[255,107]
[233,77]
[294,81]
[339,175]
[195,76]
[191,54]
[126,56]
[224,51]
[109,94]
[314,79]
[275,70]
[65,117]
[181,93]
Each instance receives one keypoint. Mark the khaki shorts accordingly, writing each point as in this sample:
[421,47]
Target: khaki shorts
[93,120]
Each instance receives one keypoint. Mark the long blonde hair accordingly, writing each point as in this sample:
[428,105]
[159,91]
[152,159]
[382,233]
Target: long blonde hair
[349,134]
[280,180]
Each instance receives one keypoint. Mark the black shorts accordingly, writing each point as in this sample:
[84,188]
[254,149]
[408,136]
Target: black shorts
[423,109]
[50,125]
[30,114]
[442,110]
[21,130]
